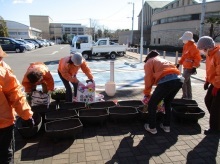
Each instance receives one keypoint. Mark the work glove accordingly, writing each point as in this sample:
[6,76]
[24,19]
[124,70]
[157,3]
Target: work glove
[90,80]
[194,72]
[206,85]
[177,65]
[28,123]
[215,91]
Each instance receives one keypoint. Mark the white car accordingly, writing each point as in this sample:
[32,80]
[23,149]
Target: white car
[29,46]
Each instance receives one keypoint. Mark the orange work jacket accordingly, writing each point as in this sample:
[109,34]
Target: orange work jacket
[213,67]
[68,71]
[12,99]
[47,77]
[190,56]
[155,69]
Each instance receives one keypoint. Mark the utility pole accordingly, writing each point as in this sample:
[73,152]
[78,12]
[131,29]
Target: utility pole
[132,30]
[142,24]
[202,18]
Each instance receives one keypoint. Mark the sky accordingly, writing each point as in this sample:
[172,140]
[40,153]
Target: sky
[107,14]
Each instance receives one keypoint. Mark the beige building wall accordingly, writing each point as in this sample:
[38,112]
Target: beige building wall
[42,23]
[169,33]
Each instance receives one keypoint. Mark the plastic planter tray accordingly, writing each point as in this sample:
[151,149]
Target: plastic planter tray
[93,116]
[72,105]
[102,104]
[132,103]
[64,128]
[123,113]
[188,113]
[28,132]
[42,109]
[183,102]
[60,114]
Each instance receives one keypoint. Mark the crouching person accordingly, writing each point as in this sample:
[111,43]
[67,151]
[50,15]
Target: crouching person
[68,69]
[12,101]
[38,74]
[164,74]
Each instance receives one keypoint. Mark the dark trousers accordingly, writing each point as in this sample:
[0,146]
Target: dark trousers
[68,88]
[213,105]
[7,145]
[165,91]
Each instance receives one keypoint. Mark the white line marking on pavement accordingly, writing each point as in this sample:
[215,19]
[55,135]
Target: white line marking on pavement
[54,52]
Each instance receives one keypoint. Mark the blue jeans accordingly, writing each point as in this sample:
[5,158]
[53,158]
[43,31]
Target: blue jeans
[165,91]
[68,88]
[7,145]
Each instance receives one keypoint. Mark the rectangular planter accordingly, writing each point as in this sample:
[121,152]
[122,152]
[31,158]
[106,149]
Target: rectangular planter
[93,116]
[60,114]
[132,103]
[123,113]
[72,105]
[183,102]
[102,104]
[188,113]
[143,114]
[28,132]
[64,128]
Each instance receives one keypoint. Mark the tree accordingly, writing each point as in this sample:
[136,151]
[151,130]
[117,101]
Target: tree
[3,29]
[65,37]
[214,30]
[99,33]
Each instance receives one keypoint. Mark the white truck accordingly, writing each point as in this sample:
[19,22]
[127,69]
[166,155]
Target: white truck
[103,47]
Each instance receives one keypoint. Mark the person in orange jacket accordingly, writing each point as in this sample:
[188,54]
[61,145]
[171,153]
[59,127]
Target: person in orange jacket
[190,60]
[38,74]
[207,46]
[165,75]
[2,63]
[67,70]
[13,102]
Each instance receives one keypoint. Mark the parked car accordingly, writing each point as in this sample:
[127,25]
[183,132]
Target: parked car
[29,46]
[10,44]
[37,41]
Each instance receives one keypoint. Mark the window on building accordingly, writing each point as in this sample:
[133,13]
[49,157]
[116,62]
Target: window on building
[182,2]
[12,33]
[80,29]
[195,17]
[158,40]
[188,2]
[171,6]
[177,3]
[154,40]
[67,29]
[22,33]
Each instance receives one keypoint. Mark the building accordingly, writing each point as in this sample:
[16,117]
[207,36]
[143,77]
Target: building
[56,31]
[18,30]
[149,8]
[171,21]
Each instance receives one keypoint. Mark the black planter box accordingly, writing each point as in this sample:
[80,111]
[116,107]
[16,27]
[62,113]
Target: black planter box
[143,113]
[188,113]
[132,103]
[123,113]
[28,132]
[183,102]
[102,104]
[72,105]
[93,116]
[64,128]
[60,114]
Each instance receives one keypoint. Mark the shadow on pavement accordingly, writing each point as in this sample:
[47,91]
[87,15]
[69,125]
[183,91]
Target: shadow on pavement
[207,149]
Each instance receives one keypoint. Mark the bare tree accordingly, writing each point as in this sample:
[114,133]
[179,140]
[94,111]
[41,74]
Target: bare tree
[3,28]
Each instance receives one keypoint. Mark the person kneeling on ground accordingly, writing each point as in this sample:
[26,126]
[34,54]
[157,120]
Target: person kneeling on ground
[164,74]
[38,74]
[67,70]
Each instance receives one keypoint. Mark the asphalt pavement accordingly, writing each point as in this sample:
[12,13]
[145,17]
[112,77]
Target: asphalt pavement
[127,142]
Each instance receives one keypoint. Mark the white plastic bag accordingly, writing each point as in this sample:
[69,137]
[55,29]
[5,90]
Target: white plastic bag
[86,93]
[39,98]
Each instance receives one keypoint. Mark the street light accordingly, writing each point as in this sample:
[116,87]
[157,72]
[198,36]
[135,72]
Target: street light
[132,22]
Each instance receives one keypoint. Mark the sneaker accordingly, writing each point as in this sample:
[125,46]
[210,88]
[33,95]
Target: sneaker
[152,131]
[165,128]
